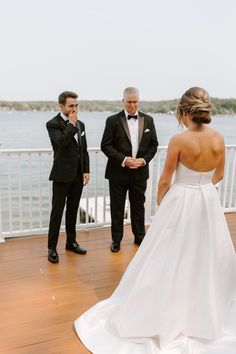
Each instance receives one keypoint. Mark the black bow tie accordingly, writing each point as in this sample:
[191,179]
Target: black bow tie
[135,117]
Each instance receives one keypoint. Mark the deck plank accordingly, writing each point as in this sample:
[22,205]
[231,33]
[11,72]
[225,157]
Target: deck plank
[39,301]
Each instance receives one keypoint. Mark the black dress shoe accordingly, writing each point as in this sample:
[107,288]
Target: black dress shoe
[53,256]
[74,247]
[137,241]
[115,247]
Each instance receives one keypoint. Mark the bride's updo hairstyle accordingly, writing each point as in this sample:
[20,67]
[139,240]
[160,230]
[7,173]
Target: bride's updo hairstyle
[196,102]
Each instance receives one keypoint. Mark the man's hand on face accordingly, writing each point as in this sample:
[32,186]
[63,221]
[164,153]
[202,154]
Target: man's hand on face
[72,117]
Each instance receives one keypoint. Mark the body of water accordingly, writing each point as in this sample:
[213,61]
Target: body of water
[28,198]
[28,129]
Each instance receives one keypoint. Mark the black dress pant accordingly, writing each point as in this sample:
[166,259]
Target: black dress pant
[64,194]
[118,192]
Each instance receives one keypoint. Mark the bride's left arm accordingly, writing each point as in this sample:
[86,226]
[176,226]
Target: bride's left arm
[219,171]
[169,168]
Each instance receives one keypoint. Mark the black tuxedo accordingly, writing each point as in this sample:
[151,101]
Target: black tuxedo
[116,145]
[70,161]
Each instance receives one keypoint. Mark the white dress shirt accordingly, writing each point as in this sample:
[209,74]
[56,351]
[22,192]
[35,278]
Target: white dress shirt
[134,133]
[133,129]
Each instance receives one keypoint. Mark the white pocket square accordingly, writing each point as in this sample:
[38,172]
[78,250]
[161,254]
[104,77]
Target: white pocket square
[82,133]
[147,130]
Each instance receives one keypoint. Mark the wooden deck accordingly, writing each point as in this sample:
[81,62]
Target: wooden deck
[39,301]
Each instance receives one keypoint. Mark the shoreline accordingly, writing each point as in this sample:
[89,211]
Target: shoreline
[166,114]
[220,106]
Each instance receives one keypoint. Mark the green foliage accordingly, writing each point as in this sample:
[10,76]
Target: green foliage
[219,106]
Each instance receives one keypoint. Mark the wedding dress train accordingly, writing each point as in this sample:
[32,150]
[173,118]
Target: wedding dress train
[177,296]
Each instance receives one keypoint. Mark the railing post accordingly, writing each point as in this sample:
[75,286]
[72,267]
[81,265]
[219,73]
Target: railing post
[1,234]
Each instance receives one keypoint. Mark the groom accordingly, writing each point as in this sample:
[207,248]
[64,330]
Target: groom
[70,172]
[130,142]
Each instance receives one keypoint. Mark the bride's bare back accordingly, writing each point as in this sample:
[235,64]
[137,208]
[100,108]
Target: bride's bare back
[199,148]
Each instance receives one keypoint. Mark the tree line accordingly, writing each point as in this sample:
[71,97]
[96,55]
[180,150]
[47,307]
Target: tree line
[221,106]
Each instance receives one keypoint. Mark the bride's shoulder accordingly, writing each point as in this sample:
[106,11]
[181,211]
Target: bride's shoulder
[178,137]
[176,142]
[215,135]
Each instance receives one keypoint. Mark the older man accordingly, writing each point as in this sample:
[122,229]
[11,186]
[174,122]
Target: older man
[130,142]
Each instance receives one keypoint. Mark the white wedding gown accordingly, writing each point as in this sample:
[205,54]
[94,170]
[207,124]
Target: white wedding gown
[177,294]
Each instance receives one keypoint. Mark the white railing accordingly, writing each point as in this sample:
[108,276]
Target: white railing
[25,192]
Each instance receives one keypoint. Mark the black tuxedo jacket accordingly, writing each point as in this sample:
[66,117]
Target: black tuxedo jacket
[116,145]
[70,157]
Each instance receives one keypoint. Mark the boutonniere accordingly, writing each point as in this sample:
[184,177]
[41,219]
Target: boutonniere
[82,133]
[147,130]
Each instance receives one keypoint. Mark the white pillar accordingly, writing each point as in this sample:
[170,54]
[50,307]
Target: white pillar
[1,234]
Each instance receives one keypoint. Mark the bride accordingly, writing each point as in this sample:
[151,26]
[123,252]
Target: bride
[178,293]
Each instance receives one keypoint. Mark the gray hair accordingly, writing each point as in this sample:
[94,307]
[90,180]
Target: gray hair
[130,91]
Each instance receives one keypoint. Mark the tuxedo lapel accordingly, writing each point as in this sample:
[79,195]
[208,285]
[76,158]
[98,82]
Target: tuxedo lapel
[126,128]
[79,133]
[61,121]
[140,127]
[125,124]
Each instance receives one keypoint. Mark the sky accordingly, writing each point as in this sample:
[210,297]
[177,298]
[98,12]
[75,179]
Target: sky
[98,47]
